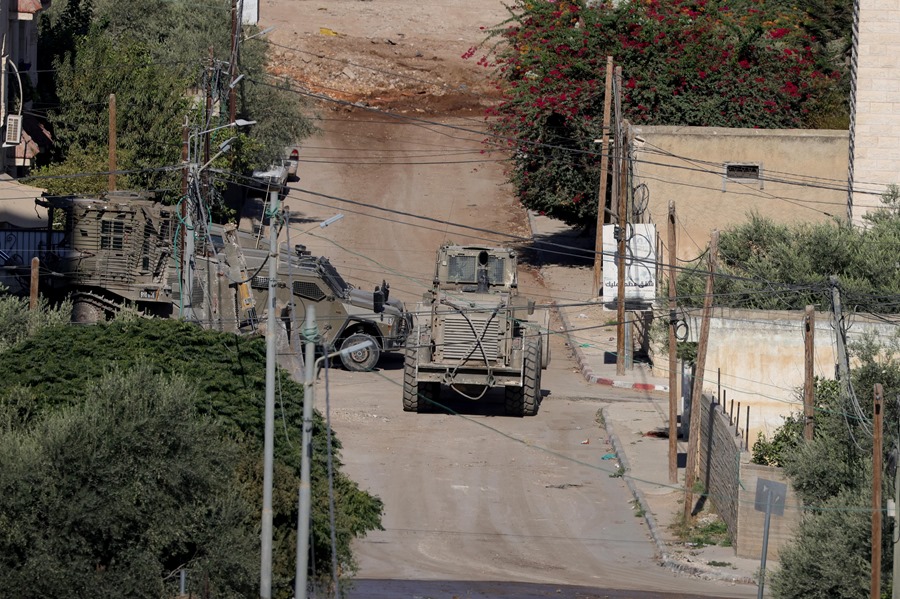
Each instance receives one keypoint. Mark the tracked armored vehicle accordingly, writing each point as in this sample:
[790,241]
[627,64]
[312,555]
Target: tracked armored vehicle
[476,332]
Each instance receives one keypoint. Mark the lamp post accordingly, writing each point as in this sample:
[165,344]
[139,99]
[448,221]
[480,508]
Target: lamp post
[309,387]
[186,308]
[265,581]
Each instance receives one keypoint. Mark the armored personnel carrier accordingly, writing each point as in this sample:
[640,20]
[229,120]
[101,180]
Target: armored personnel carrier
[475,333]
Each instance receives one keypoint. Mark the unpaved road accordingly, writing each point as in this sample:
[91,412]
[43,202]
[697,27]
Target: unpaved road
[477,497]
[477,505]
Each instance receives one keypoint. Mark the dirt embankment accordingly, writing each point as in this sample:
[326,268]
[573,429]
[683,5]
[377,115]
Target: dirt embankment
[390,54]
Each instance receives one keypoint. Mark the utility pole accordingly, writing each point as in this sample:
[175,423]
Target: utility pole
[895,592]
[305,457]
[184,260]
[809,332]
[604,167]
[673,359]
[35,278]
[693,456]
[232,68]
[843,365]
[265,574]
[112,142]
[877,424]
[622,227]
[207,120]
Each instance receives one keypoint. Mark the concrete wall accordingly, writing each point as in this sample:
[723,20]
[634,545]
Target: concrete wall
[720,462]
[803,176]
[876,156]
[751,522]
[759,356]
[730,480]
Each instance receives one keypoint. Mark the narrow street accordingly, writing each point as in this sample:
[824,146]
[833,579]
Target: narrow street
[477,496]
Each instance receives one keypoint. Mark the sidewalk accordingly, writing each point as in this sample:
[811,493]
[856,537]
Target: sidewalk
[637,428]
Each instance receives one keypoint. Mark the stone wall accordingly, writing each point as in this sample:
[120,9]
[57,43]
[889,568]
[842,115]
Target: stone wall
[730,479]
[876,155]
[756,358]
[690,166]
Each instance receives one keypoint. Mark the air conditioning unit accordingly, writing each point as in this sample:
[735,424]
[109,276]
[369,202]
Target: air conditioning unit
[13,130]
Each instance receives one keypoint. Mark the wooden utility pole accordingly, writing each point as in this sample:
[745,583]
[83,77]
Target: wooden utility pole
[877,424]
[35,278]
[843,365]
[232,68]
[693,456]
[622,227]
[604,167]
[673,359]
[809,342]
[112,142]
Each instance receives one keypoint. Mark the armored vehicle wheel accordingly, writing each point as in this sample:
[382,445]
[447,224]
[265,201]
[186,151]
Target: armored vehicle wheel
[411,397]
[361,360]
[525,400]
[417,397]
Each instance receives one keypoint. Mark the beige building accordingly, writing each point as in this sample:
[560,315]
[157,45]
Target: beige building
[22,135]
[718,176]
[875,132]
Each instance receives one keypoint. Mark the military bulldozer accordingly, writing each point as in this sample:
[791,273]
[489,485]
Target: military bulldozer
[476,332]
[126,249]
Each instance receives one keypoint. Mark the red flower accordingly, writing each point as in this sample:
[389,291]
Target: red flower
[744,64]
[779,33]
[631,83]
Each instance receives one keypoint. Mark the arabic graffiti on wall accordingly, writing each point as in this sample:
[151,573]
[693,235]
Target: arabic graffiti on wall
[640,262]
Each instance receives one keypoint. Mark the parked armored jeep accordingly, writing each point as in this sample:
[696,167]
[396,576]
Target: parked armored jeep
[475,333]
[345,314]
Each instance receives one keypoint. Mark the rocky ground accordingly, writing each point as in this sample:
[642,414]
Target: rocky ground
[391,54]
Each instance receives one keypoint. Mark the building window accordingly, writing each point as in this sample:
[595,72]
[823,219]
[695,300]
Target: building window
[112,234]
[743,173]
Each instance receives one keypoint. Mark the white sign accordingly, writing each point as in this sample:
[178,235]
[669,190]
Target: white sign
[249,12]
[640,263]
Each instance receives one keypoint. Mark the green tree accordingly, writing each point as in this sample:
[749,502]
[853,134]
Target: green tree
[113,496]
[154,54]
[150,104]
[749,63]
[832,474]
[56,368]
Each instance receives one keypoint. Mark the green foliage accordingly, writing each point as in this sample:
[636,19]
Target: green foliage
[57,368]
[750,63]
[784,442]
[18,321]
[832,474]
[830,557]
[154,55]
[112,496]
[786,267]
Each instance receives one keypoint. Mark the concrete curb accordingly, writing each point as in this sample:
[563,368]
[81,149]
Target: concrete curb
[664,558]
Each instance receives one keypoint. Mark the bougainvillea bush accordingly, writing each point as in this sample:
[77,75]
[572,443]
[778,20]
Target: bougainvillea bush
[746,63]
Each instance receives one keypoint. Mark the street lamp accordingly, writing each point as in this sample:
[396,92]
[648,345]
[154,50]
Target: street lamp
[269,430]
[259,33]
[312,367]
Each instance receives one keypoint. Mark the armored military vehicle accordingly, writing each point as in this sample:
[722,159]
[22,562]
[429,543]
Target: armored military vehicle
[126,249]
[116,249]
[345,314]
[475,333]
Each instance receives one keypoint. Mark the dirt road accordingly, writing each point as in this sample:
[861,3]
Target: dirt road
[477,496]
